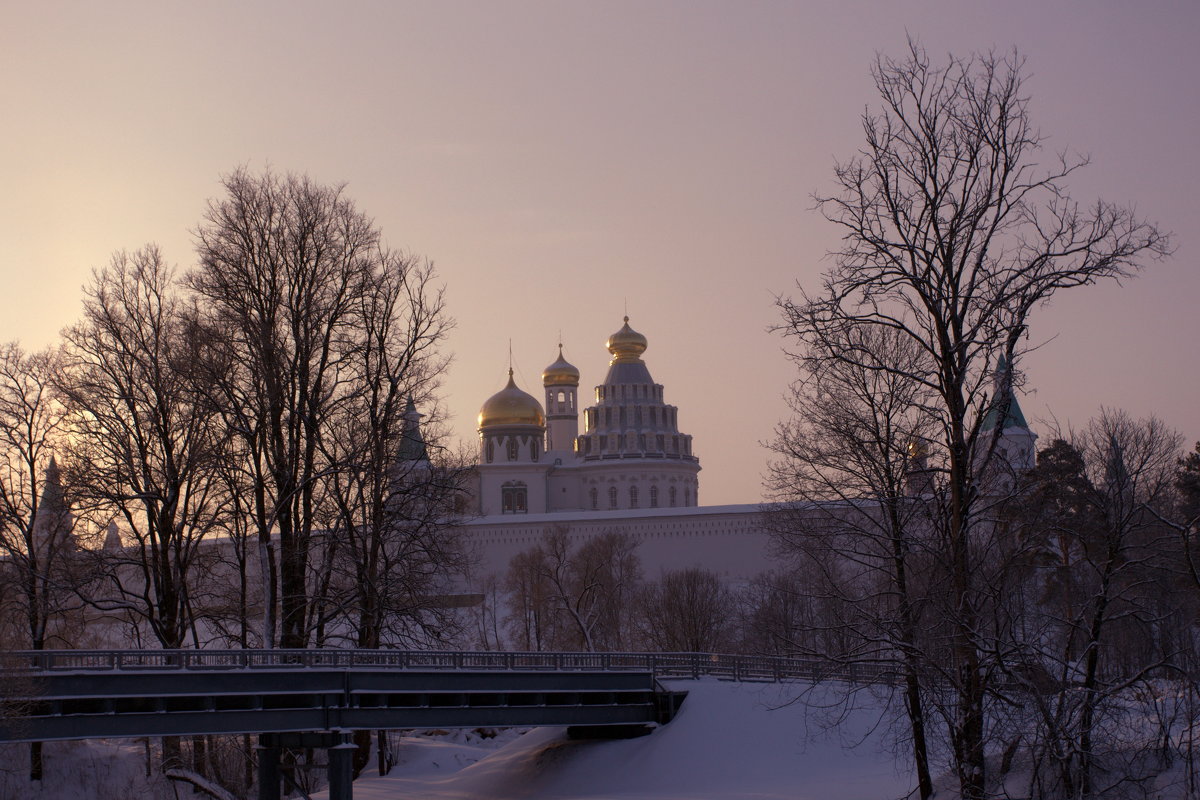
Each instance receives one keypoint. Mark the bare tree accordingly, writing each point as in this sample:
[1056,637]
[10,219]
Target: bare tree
[856,492]
[284,266]
[687,610]
[36,524]
[1092,624]
[392,489]
[144,443]
[37,541]
[953,233]
[574,598]
[531,621]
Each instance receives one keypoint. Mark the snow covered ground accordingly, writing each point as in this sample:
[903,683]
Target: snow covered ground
[729,741]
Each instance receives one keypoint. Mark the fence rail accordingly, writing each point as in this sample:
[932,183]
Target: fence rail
[661,665]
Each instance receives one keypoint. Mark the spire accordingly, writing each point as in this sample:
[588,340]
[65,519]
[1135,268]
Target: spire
[1003,398]
[412,441]
[112,539]
[53,522]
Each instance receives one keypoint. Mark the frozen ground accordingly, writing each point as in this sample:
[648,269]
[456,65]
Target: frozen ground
[729,741]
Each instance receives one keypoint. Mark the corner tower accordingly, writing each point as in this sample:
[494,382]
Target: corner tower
[1016,445]
[632,452]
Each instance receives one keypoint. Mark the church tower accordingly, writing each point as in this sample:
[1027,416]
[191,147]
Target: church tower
[512,474]
[561,382]
[1016,445]
[633,455]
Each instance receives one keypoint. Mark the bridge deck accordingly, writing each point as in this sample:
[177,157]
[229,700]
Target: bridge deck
[77,704]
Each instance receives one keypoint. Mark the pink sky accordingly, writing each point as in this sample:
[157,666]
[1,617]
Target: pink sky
[558,160]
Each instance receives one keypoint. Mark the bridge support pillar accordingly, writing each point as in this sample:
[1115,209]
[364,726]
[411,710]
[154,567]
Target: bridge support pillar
[268,771]
[341,769]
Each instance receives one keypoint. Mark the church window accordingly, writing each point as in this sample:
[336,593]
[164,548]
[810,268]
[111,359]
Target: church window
[653,496]
[612,497]
[633,497]
[687,497]
[653,417]
[642,442]
[622,416]
[671,495]
[533,450]
[514,498]
[562,397]
[687,447]
[491,450]
[637,416]
[595,493]
[661,446]
[512,449]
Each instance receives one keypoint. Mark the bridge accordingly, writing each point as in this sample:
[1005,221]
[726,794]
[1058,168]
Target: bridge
[317,698]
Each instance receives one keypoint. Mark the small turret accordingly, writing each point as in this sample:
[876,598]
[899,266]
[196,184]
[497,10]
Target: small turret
[561,381]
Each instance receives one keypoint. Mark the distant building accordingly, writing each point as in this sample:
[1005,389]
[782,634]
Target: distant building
[630,470]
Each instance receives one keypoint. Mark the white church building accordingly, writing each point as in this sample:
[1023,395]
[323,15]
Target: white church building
[627,469]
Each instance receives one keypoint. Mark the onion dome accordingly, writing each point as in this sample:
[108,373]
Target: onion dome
[626,345]
[560,373]
[511,406]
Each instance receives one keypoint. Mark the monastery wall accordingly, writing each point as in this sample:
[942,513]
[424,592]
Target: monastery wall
[728,540]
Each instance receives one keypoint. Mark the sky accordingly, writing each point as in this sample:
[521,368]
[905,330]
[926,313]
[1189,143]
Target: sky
[562,162]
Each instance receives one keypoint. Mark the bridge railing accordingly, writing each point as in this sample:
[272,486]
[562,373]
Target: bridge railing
[661,665]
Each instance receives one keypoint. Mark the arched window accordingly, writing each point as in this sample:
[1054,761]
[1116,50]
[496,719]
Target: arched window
[514,498]
[595,498]
[512,448]
[612,497]
[653,495]
[491,450]
[687,497]
[633,497]
[533,450]
[671,495]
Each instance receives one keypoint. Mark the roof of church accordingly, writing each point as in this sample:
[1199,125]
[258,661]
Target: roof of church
[1004,399]
[412,441]
[511,406]
[561,372]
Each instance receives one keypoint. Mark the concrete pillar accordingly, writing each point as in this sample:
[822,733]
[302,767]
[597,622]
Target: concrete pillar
[268,772]
[341,770]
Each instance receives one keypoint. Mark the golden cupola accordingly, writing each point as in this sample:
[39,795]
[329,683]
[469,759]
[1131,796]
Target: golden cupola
[561,372]
[626,345]
[511,406]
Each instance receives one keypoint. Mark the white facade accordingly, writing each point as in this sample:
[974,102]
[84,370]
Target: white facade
[619,465]
[630,455]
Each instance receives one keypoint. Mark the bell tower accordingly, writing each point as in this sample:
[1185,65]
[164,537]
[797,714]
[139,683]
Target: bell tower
[561,381]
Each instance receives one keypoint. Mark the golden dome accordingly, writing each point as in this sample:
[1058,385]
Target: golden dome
[560,373]
[511,406]
[626,344]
